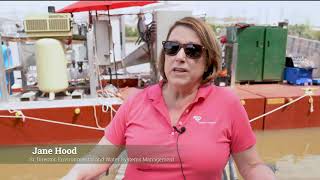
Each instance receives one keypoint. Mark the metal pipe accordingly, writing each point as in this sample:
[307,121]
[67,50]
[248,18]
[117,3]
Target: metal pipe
[3,85]
[24,69]
[234,62]
[224,175]
[113,52]
[92,69]
[232,172]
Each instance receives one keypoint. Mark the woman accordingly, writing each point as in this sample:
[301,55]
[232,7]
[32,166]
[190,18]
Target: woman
[205,124]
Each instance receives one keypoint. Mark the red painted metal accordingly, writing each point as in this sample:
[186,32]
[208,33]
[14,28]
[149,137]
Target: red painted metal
[303,109]
[282,119]
[15,131]
[254,105]
[121,83]
[295,115]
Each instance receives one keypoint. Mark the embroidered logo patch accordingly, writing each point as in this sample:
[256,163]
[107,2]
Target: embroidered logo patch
[198,120]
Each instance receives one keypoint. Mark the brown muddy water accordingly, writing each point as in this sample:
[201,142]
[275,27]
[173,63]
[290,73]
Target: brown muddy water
[295,154]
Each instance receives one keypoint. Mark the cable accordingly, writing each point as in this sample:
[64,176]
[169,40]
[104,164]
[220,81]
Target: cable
[181,167]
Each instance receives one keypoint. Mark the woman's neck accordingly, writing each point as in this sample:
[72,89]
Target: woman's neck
[179,96]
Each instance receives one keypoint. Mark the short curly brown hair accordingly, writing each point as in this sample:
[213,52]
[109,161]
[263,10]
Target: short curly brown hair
[208,40]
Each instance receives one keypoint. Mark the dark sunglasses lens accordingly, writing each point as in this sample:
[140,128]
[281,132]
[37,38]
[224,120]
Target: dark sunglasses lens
[193,50]
[171,48]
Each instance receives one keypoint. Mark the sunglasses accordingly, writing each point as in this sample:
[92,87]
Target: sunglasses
[193,51]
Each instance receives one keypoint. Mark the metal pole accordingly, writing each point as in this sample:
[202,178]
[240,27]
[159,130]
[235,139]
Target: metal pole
[122,37]
[113,52]
[3,84]
[92,69]
[23,68]
[224,175]
[234,61]
[123,41]
[232,171]
[153,57]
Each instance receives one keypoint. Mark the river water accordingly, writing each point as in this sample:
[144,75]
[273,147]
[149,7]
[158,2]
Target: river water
[295,152]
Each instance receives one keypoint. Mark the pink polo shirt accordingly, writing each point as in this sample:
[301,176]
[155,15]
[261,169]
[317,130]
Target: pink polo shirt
[216,125]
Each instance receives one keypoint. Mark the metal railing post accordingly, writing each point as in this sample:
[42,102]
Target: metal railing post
[3,85]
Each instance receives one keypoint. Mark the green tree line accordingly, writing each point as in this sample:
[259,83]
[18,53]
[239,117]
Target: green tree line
[301,30]
[131,31]
[304,31]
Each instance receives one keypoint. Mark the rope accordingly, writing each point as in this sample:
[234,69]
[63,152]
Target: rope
[95,116]
[19,114]
[285,105]
[311,104]
[54,122]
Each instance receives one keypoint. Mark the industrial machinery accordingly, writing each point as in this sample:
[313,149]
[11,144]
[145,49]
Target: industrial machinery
[58,58]
[48,25]
[54,58]
[81,68]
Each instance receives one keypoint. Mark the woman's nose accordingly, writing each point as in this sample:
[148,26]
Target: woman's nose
[181,56]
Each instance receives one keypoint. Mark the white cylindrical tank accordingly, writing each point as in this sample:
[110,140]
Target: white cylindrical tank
[51,66]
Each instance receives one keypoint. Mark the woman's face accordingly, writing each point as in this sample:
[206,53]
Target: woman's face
[179,69]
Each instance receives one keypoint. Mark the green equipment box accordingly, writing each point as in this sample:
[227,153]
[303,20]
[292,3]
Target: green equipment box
[260,54]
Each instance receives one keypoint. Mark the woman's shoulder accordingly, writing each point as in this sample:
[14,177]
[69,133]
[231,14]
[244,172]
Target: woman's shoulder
[225,93]
[133,94]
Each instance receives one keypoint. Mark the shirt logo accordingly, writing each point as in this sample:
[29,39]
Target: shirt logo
[198,120]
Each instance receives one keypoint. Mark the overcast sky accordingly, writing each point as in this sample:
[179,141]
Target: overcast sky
[263,12]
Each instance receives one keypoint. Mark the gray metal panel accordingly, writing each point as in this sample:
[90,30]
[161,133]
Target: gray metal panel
[116,38]
[102,30]
[138,56]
